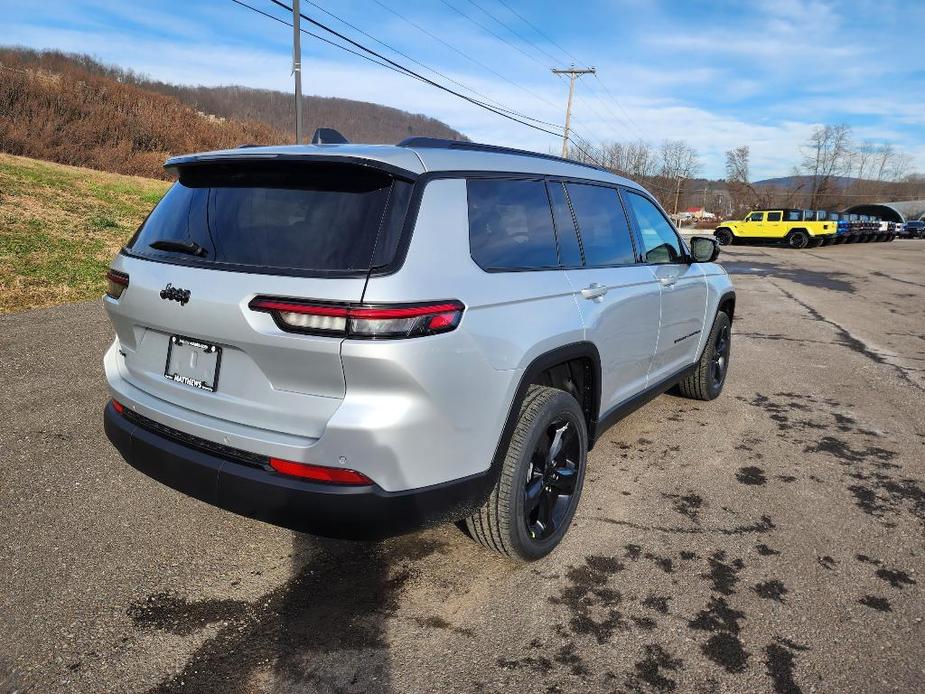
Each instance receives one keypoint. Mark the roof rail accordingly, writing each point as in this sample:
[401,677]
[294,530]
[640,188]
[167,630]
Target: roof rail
[439,143]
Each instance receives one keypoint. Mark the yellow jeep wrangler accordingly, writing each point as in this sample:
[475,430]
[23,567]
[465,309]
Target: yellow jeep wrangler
[799,228]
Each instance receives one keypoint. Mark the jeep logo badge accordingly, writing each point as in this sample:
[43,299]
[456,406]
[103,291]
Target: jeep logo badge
[172,293]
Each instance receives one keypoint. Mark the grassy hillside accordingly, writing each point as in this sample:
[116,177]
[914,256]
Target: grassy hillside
[74,110]
[60,227]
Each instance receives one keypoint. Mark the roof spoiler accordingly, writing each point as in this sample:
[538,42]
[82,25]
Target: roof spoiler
[328,136]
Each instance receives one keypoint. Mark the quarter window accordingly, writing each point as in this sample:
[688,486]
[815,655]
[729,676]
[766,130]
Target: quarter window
[660,243]
[510,225]
[774,216]
[602,223]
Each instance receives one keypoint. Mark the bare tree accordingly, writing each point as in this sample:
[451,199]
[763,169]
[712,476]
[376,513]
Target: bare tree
[826,155]
[738,179]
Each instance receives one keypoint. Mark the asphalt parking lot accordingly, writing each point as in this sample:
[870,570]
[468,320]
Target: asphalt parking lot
[772,540]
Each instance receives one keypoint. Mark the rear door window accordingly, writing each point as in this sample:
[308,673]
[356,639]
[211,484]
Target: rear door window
[605,234]
[660,243]
[510,224]
[287,217]
[774,216]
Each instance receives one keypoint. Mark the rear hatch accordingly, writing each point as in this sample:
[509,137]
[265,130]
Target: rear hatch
[226,233]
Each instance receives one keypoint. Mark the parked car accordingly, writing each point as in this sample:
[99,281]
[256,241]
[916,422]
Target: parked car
[798,228]
[357,341]
[914,229]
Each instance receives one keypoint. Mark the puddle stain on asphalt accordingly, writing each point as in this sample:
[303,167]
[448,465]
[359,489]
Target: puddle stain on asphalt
[876,603]
[751,475]
[780,662]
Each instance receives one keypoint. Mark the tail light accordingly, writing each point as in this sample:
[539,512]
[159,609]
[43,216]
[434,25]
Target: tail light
[362,320]
[117,282]
[319,473]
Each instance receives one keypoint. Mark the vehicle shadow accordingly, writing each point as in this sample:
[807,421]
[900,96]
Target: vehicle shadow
[323,630]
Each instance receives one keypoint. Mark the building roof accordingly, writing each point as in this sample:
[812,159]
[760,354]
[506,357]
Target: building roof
[899,211]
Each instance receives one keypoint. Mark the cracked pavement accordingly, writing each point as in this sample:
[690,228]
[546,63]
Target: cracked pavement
[772,540]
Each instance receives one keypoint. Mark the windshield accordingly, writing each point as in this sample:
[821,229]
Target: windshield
[284,216]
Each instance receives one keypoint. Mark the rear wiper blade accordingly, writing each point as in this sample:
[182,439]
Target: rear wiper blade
[190,247]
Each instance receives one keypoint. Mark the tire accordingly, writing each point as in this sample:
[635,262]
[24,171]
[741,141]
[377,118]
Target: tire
[503,523]
[724,237]
[706,381]
[798,239]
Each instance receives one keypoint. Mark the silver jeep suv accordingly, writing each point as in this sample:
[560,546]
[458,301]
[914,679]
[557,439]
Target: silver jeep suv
[356,341]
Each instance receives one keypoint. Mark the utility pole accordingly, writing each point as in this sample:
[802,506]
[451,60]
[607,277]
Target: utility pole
[677,197]
[573,74]
[297,69]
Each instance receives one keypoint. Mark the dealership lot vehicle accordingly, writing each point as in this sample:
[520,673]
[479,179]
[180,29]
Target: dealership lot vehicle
[357,341]
[797,228]
[771,536]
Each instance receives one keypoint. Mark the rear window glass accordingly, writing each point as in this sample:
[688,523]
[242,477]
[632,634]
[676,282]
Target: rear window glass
[605,233]
[510,225]
[279,216]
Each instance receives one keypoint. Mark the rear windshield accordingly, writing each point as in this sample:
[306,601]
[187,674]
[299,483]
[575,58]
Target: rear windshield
[278,216]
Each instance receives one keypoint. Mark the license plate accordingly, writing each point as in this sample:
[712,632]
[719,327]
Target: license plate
[193,363]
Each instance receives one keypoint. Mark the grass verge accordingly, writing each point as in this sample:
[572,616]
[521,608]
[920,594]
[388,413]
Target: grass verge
[60,227]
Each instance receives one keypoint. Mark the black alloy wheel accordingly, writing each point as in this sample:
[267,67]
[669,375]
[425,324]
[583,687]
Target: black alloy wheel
[719,362]
[549,488]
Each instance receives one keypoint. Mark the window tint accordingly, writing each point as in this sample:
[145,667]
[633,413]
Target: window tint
[510,225]
[756,216]
[283,217]
[774,216]
[660,243]
[569,250]
[604,231]
[794,216]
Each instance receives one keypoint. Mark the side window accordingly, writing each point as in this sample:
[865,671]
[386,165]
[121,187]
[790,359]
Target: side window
[605,233]
[660,243]
[569,250]
[510,225]
[774,216]
[756,217]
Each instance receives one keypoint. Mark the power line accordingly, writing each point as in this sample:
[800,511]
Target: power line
[512,31]
[485,28]
[538,30]
[412,73]
[465,55]
[396,67]
[487,98]
[546,36]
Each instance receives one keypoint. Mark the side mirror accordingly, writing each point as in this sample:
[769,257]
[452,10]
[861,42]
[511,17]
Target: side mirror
[704,249]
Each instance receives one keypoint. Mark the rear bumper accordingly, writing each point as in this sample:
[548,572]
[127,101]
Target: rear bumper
[341,511]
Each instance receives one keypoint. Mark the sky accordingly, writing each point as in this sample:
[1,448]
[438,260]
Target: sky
[717,74]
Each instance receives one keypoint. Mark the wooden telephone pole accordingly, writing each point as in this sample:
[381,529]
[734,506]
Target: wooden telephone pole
[297,69]
[573,74]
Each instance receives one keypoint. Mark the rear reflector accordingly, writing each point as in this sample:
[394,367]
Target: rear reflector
[118,407]
[116,283]
[362,321]
[318,473]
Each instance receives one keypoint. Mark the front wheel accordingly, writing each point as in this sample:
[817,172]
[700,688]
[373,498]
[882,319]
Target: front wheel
[723,237]
[534,500]
[798,239]
[709,375]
